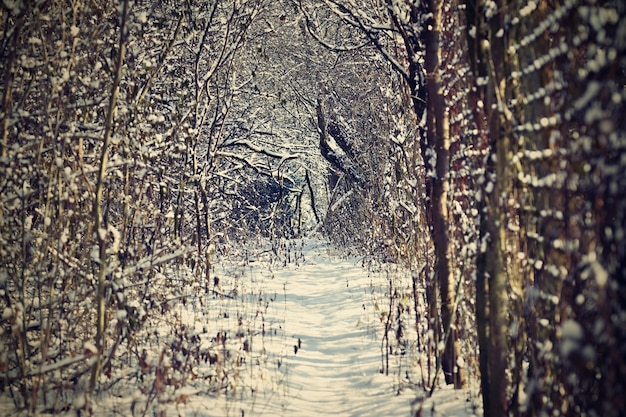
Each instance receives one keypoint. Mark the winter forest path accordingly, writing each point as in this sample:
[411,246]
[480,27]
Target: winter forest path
[329,354]
[334,369]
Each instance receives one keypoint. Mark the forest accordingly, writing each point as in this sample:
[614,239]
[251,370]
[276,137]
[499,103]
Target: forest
[478,146]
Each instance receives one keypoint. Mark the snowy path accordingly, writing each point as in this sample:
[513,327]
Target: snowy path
[333,371]
[325,306]
[297,340]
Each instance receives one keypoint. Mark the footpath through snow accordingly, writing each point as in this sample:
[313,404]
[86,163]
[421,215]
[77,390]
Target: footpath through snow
[330,354]
[296,332]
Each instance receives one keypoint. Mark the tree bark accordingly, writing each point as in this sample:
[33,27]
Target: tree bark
[487,61]
[438,141]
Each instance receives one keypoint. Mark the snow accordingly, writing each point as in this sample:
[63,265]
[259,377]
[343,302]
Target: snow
[90,348]
[330,355]
[528,9]
[601,274]
[320,353]
[491,9]
[571,337]
[570,329]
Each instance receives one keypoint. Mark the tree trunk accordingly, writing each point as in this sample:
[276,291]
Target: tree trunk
[498,295]
[438,141]
[487,61]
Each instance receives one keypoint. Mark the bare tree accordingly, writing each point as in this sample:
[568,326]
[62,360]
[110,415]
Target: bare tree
[420,28]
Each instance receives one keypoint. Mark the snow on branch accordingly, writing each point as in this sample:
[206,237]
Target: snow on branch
[341,201]
[356,18]
[55,366]
[325,44]
[154,260]
[331,150]
[283,156]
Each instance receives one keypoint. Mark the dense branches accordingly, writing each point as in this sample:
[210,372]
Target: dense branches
[121,153]
[479,143]
[520,149]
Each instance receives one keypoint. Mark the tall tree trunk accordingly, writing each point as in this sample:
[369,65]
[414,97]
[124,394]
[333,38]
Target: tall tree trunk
[438,141]
[487,61]
[428,95]
[500,129]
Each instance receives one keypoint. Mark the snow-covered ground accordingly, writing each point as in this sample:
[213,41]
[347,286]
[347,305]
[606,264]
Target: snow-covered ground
[301,336]
[330,347]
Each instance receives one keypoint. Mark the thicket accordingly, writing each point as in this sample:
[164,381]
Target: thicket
[479,143]
[120,176]
[515,156]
